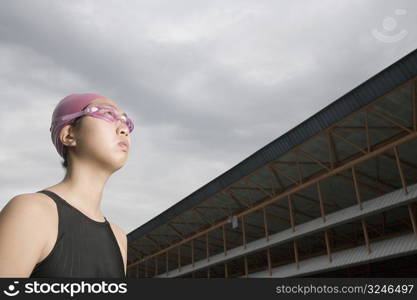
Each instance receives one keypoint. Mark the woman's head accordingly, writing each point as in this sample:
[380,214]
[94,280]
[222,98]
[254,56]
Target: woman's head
[88,128]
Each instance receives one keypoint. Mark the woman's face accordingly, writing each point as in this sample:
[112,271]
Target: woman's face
[98,140]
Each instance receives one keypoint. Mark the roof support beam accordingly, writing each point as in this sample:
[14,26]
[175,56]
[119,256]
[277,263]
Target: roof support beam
[328,249]
[365,234]
[268,255]
[355,184]
[243,232]
[291,213]
[297,262]
[332,149]
[412,207]
[323,215]
[400,170]
[390,119]
[349,142]
[275,174]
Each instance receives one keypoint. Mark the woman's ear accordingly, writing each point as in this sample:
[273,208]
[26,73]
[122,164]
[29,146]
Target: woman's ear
[67,136]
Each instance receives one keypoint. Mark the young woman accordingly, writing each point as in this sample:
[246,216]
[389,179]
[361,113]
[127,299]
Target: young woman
[60,231]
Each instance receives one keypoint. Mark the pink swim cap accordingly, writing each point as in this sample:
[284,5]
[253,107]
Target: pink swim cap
[70,104]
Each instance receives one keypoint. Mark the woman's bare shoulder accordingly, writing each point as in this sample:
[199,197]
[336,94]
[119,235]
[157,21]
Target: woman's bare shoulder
[25,223]
[30,204]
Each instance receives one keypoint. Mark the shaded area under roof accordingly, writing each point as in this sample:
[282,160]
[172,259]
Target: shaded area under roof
[373,88]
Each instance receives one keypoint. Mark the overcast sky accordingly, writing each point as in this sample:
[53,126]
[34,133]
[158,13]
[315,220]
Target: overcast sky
[207,83]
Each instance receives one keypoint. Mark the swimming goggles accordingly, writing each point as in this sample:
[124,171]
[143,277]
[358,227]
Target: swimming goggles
[104,112]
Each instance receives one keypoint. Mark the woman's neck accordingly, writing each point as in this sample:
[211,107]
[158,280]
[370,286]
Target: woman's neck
[83,188]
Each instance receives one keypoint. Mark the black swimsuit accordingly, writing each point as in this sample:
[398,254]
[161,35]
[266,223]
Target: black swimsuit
[84,247]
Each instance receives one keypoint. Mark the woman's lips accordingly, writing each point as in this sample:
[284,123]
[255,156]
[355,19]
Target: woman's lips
[123,145]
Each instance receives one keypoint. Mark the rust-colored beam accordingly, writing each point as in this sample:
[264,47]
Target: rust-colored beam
[246,265]
[377,180]
[217,207]
[177,232]
[248,180]
[294,210]
[275,174]
[403,162]
[328,249]
[156,244]
[132,246]
[344,177]
[285,175]
[183,223]
[349,142]
[243,231]
[390,119]
[201,216]
[323,165]
[240,203]
[355,184]
[265,223]
[411,165]
[313,200]
[412,213]
[224,241]
[268,253]
[365,233]
[359,183]
[400,170]
[323,215]
[167,235]
[296,254]
[332,149]
[278,218]
[291,213]
[361,128]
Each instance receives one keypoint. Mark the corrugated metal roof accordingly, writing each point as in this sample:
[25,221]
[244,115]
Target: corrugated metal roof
[378,85]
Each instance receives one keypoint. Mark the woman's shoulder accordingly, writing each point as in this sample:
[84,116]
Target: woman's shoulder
[30,205]
[26,222]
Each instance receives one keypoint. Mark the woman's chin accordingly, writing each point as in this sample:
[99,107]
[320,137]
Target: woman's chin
[119,161]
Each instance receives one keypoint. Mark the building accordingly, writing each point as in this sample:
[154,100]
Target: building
[333,197]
